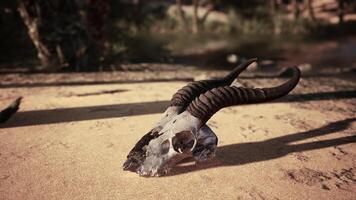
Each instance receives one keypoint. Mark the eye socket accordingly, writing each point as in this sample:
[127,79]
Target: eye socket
[183,142]
[165,147]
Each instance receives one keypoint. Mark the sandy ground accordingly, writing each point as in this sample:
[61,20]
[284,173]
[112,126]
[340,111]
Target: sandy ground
[68,141]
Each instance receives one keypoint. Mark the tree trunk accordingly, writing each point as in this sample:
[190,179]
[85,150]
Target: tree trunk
[195,20]
[296,10]
[341,11]
[181,16]
[311,10]
[58,33]
[138,18]
[206,14]
[96,17]
[273,5]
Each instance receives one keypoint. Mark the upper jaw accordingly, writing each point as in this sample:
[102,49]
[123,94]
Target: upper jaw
[153,172]
[162,166]
[131,164]
[185,121]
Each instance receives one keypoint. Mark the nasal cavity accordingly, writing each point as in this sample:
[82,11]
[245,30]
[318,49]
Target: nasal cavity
[165,147]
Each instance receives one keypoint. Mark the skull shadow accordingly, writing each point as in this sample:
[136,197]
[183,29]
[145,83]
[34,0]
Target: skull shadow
[244,153]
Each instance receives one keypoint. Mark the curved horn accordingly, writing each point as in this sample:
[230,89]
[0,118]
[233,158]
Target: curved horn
[10,110]
[207,104]
[188,93]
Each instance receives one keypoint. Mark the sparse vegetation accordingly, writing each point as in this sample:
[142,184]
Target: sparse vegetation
[161,31]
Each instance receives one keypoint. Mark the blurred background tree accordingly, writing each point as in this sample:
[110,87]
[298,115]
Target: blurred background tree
[92,35]
[62,37]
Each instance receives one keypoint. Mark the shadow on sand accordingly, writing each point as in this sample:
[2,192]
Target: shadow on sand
[85,83]
[50,116]
[244,153]
[41,117]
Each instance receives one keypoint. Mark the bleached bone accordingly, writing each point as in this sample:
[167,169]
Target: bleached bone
[180,100]
[161,146]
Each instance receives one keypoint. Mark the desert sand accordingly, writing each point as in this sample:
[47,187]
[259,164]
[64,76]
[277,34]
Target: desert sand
[70,139]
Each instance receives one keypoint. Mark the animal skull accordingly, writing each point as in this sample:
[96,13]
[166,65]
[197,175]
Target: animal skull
[182,131]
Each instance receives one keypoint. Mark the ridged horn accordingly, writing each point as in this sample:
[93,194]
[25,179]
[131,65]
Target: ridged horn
[188,93]
[207,104]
